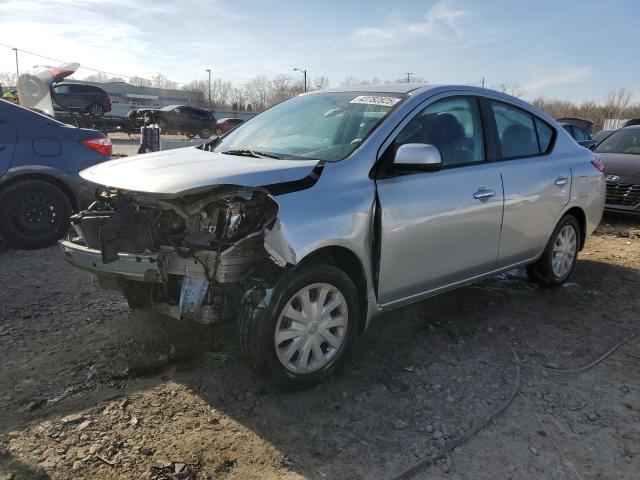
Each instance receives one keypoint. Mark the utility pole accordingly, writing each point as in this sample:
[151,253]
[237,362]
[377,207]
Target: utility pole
[482,82]
[17,69]
[209,72]
[408,74]
[304,72]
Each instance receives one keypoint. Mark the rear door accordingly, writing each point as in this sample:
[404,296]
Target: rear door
[439,228]
[7,145]
[537,183]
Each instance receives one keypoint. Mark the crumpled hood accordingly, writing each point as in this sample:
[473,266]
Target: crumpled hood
[621,164]
[175,171]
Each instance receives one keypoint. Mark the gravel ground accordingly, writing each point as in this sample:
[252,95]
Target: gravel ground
[90,390]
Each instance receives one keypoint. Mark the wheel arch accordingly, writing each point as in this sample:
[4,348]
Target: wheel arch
[347,261]
[579,215]
[56,182]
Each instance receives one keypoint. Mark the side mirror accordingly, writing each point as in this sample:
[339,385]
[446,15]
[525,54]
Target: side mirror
[418,155]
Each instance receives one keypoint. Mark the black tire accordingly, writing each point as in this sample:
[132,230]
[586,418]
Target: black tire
[218,131]
[33,214]
[257,326]
[205,132]
[541,271]
[95,110]
[162,125]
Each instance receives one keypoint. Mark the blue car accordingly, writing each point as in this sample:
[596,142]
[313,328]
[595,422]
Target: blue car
[39,183]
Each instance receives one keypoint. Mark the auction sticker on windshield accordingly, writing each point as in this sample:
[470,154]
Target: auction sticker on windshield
[376,100]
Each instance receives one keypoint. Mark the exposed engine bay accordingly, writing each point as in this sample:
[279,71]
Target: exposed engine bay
[186,257]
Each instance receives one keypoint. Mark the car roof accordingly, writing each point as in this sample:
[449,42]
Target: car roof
[385,87]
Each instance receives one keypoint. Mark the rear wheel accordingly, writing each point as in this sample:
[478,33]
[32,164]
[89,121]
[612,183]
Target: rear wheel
[162,125]
[33,214]
[559,257]
[307,330]
[218,131]
[95,110]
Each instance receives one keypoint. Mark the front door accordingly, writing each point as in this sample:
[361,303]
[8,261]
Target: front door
[439,228]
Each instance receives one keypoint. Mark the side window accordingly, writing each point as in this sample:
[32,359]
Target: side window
[61,89]
[516,131]
[569,130]
[545,135]
[452,125]
[581,135]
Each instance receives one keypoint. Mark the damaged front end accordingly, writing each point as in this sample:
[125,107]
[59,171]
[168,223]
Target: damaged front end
[187,256]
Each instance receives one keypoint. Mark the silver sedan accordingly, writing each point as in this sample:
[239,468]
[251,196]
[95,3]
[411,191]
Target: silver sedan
[310,219]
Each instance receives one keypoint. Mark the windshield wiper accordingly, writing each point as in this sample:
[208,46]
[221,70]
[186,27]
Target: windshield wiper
[245,152]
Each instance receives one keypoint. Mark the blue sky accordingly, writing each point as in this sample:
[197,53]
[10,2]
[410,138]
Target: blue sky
[567,49]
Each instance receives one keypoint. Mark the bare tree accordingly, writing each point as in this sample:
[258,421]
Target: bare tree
[318,83]
[257,91]
[102,77]
[615,102]
[239,98]
[160,80]
[8,79]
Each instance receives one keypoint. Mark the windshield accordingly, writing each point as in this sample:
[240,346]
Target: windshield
[322,126]
[621,141]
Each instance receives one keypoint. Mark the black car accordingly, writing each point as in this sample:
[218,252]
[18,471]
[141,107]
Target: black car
[78,97]
[580,130]
[177,119]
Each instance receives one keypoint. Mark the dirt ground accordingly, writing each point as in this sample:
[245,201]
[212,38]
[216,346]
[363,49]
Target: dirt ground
[89,390]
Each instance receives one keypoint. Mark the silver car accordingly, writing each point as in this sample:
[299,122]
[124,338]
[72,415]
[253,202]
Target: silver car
[310,219]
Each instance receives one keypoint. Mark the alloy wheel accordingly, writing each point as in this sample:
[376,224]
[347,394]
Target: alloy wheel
[96,110]
[564,251]
[311,328]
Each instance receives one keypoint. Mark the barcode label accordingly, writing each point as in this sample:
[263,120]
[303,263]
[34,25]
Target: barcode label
[376,100]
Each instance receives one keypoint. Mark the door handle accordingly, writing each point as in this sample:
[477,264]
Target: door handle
[484,193]
[561,181]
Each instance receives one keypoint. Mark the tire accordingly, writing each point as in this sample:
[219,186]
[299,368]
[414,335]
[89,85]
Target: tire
[266,353]
[218,131]
[205,132]
[95,110]
[162,125]
[33,214]
[561,251]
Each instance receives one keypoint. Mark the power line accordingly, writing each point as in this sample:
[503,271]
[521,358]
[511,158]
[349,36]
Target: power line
[96,69]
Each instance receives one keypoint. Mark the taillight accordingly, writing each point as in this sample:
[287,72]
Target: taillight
[598,165]
[102,145]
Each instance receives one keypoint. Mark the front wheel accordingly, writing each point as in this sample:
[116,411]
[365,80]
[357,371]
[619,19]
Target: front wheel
[205,132]
[33,214]
[560,255]
[307,330]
